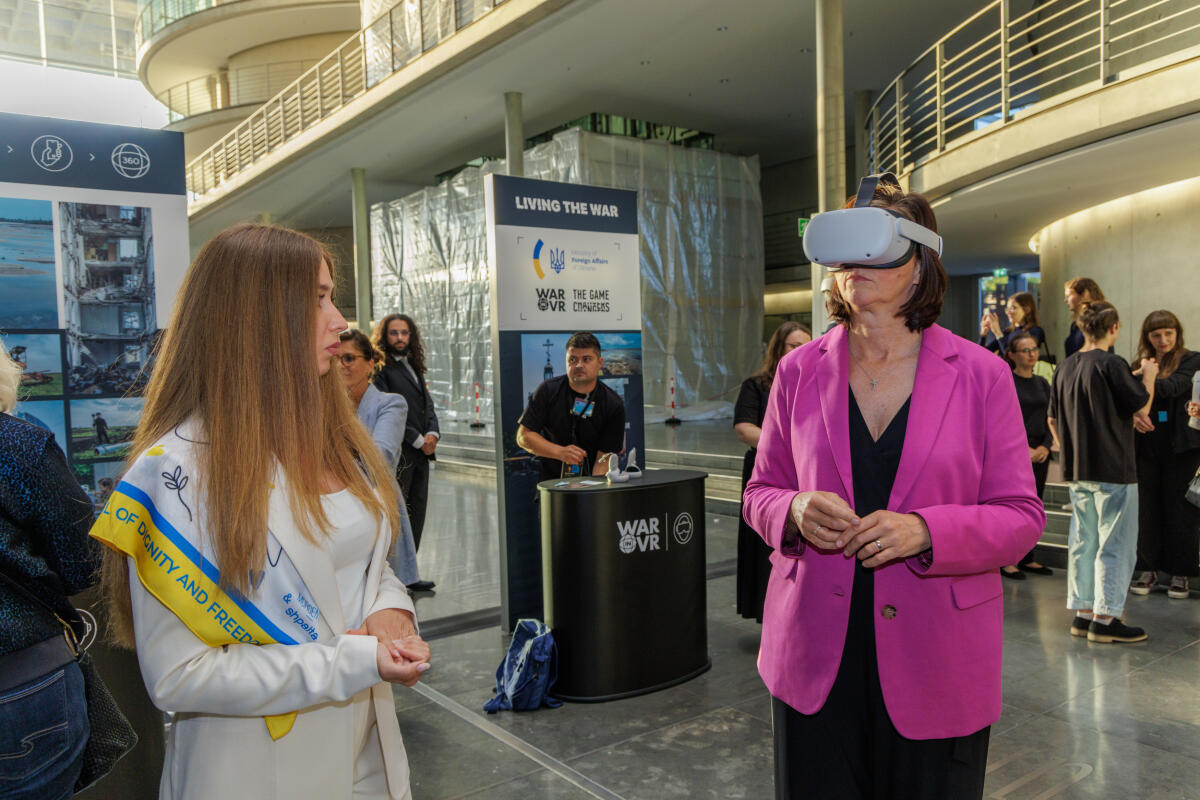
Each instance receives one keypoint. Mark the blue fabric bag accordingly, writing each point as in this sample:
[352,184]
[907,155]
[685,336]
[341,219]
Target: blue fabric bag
[528,671]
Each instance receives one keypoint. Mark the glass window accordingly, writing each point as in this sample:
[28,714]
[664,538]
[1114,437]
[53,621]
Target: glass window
[77,36]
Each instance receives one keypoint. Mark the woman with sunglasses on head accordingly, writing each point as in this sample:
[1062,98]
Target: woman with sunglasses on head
[891,483]
[1168,455]
[1033,394]
[248,541]
[384,414]
[1021,309]
[753,564]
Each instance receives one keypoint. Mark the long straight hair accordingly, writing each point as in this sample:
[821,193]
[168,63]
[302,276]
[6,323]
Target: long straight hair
[1029,306]
[776,349]
[1155,320]
[239,359]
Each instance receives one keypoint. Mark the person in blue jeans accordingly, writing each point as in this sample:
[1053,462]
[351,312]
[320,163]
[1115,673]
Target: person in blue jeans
[45,556]
[1093,403]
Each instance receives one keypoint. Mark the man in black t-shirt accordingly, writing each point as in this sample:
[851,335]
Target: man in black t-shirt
[1092,406]
[573,421]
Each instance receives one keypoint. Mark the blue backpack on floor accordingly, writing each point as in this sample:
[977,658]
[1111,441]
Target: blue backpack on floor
[529,669]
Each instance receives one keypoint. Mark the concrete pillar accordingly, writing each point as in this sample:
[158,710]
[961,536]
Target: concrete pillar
[362,249]
[831,129]
[862,140]
[514,134]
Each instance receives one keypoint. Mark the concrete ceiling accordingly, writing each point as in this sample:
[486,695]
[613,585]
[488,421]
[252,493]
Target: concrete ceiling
[1000,215]
[744,72]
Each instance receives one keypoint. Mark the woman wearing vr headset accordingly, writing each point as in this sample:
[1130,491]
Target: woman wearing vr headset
[892,481]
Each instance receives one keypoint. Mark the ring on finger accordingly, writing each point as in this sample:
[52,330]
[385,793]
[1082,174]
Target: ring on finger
[817,530]
[878,545]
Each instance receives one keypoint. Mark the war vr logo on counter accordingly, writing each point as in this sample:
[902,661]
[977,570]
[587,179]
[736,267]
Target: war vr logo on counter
[641,535]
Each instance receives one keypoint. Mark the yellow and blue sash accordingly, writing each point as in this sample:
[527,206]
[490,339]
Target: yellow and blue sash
[174,569]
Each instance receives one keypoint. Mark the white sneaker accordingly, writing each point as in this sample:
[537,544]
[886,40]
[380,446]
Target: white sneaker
[1178,588]
[1142,583]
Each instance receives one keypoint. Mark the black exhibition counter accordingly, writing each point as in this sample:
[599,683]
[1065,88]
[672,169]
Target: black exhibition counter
[623,579]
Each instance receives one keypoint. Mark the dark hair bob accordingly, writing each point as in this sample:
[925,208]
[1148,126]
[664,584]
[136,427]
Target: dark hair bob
[925,305]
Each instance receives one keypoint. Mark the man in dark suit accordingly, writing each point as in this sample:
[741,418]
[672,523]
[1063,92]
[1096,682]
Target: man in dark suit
[403,373]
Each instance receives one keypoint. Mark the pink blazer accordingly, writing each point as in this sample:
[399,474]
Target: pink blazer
[965,469]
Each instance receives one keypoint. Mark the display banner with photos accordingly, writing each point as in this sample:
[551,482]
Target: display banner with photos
[93,249]
[563,258]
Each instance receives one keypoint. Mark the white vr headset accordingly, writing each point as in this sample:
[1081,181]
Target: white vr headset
[863,236]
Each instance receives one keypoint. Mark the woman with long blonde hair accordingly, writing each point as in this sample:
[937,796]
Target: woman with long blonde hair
[248,541]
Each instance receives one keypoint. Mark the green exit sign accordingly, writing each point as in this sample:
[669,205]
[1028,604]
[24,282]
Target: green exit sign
[802,223]
[1001,272]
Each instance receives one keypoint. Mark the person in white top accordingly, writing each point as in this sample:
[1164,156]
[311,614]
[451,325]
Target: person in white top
[248,541]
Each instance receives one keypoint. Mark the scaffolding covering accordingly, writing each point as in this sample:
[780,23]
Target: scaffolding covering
[700,220]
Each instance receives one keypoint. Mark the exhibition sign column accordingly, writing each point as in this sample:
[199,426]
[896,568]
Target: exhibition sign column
[93,249]
[563,258]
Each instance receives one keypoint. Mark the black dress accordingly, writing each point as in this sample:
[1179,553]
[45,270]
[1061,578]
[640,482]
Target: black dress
[753,555]
[1167,458]
[850,749]
[1033,394]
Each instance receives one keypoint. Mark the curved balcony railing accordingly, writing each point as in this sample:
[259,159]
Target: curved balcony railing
[396,38]
[154,15]
[228,89]
[998,64]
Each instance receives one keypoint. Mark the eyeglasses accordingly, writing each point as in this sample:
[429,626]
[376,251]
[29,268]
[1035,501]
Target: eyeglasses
[1027,350]
[348,358]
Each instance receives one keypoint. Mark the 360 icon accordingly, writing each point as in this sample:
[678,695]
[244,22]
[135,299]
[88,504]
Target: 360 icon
[130,160]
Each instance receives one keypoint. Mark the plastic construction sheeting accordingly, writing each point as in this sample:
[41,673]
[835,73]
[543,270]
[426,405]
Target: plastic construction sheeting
[700,220]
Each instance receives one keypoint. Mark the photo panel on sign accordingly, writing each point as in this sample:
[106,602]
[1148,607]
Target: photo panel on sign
[39,354]
[28,297]
[102,428]
[47,414]
[107,255]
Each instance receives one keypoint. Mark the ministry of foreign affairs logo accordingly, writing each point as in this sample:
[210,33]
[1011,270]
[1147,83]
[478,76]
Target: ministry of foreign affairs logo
[130,160]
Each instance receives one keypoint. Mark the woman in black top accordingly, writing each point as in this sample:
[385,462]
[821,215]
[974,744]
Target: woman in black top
[1023,320]
[45,556]
[1077,293]
[1168,454]
[754,568]
[1033,393]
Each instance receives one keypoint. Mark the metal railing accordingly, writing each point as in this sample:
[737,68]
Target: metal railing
[396,38]
[1001,62]
[227,89]
[154,15]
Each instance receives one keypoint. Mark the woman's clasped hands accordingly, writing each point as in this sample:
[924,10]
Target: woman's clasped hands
[402,655]
[827,522]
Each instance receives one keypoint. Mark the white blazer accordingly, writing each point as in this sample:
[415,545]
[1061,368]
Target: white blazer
[218,747]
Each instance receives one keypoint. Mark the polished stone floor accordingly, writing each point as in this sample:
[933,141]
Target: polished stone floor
[1080,720]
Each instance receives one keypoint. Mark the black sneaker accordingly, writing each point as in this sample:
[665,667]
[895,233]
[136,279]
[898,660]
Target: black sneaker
[1079,626]
[1115,631]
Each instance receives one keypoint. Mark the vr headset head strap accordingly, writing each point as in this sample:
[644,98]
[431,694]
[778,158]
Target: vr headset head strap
[867,186]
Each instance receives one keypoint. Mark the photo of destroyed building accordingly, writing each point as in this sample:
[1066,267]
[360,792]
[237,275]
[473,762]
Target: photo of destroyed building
[108,286]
